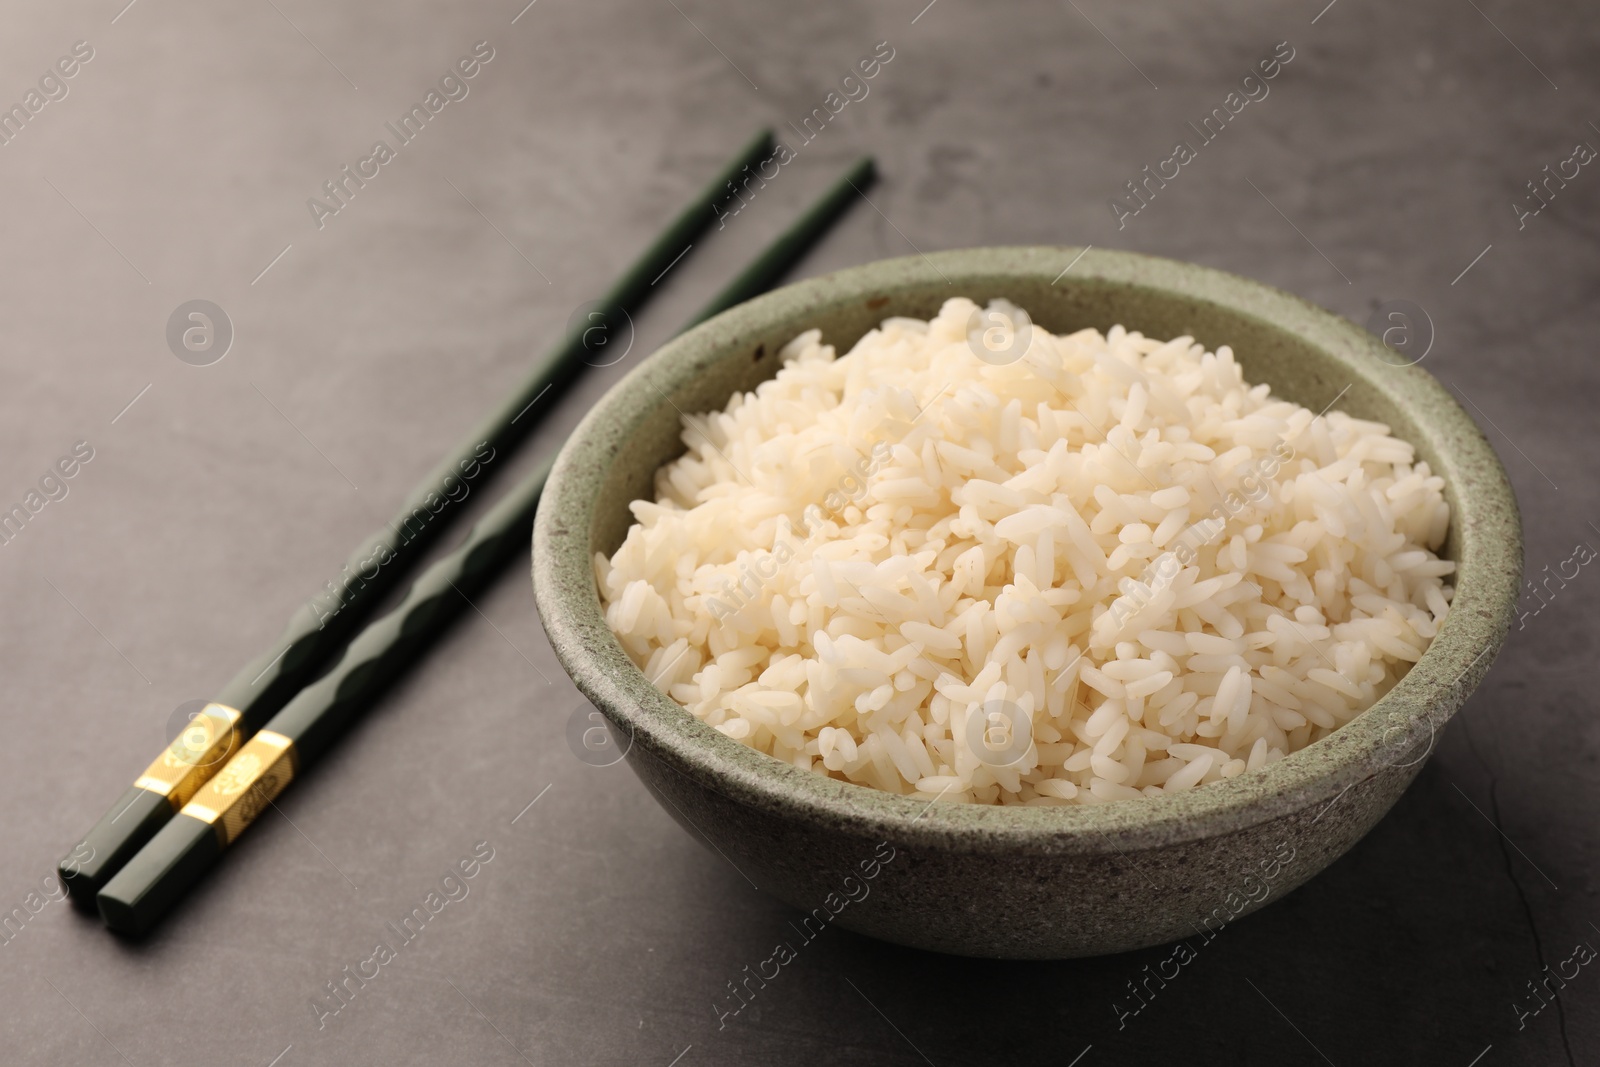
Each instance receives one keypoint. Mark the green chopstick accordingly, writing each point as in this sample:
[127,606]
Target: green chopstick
[324,624]
[793,243]
[155,879]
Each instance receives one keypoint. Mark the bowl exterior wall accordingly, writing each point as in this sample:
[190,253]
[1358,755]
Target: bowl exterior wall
[1003,905]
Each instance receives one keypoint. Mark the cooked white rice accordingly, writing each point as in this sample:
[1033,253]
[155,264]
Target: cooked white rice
[1107,569]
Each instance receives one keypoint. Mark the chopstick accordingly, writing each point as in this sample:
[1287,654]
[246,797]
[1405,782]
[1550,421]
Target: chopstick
[323,625]
[151,883]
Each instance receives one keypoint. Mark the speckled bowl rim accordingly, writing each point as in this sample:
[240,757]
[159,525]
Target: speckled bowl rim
[1391,734]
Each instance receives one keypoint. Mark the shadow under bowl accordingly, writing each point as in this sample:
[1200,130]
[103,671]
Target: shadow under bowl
[1026,882]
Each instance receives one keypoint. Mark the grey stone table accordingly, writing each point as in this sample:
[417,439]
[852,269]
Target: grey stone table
[1389,160]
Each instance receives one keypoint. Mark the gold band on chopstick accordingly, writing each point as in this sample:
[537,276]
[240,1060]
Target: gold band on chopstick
[232,799]
[194,755]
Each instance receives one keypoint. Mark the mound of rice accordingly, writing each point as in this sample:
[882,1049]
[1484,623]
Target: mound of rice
[975,561]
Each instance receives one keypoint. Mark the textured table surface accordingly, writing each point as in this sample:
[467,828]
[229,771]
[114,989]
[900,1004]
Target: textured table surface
[1384,164]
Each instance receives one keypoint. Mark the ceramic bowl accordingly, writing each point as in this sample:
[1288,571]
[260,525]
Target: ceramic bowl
[1026,882]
